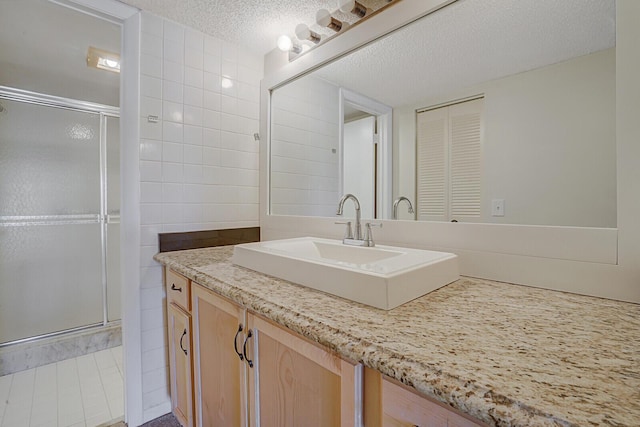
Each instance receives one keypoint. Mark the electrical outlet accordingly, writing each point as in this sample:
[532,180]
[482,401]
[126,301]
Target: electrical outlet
[497,207]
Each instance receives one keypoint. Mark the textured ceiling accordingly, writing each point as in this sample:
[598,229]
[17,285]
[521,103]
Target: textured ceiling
[472,41]
[255,24]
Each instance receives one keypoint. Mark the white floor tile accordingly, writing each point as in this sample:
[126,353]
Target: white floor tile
[116,352]
[82,392]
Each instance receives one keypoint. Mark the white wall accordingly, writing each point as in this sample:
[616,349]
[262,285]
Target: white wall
[304,135]
[198,164]
[549,143]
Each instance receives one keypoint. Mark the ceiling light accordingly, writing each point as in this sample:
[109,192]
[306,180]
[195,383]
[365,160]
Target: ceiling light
[304,33]
[324,19]
[103,60]
[284,43]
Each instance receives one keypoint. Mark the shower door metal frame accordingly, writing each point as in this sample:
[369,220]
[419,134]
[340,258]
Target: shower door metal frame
[103,218]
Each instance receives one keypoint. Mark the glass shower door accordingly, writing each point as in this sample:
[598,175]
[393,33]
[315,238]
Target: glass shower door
[51,230]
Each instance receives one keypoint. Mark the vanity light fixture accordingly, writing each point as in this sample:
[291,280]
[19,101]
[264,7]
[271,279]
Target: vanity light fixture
[324,19]
[304,33]
[307,39]
[352,6]
[103,60]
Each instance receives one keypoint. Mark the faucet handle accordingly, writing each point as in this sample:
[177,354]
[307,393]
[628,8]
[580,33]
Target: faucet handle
[368,235]
[348,234]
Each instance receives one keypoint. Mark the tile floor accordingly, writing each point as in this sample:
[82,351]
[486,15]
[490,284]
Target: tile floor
[82,392]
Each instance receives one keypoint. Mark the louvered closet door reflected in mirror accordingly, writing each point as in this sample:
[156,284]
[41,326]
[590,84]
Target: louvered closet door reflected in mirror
[449,162]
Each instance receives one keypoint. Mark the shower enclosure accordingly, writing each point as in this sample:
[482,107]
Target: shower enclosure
[59,215]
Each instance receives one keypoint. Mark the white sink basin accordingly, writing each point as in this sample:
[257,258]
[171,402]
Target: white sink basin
[383,276]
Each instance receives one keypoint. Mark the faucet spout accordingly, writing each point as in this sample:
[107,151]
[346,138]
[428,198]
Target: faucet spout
[397,202]
[358,230]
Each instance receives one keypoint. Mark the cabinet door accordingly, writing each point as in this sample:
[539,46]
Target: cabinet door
[294,382]
[219,372]
[180,364]
[402,408]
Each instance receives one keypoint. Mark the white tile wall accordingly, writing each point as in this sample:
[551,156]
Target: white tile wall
[305,131]
[198,164]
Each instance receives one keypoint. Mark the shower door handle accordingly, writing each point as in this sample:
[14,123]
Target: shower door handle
[181,338]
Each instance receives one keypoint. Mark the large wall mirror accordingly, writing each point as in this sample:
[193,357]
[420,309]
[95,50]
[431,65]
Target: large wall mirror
[507,117]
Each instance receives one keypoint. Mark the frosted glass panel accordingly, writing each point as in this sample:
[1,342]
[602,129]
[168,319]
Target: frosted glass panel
[50,279]
[113,165]
[51,250]
[49,161]
[113,223]
[113,272]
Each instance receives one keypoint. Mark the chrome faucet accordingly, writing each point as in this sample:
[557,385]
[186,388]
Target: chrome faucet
[346,197]
[349,238]
[397,202]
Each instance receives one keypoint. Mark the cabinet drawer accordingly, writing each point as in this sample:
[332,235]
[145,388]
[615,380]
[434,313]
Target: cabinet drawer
[178,290]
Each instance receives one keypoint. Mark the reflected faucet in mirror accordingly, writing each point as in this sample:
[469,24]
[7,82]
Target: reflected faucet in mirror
[397,202]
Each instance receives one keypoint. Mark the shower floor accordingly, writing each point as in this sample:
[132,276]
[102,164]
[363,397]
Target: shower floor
[86,391]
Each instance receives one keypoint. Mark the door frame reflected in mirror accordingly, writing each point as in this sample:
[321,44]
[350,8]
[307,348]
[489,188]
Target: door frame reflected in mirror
[384,123]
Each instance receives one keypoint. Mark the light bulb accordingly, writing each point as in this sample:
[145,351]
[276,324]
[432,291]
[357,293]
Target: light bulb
[324,19]
[111,63]
[304,33]
[284,43]
[346,6]
[352,6]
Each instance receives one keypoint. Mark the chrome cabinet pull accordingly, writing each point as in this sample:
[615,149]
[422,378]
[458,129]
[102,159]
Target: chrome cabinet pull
[235,342]
[244,349]
[181,338]
[173,288]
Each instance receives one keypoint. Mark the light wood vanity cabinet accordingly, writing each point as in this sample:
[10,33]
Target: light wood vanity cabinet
[232,367]
[246,367]
[180,350]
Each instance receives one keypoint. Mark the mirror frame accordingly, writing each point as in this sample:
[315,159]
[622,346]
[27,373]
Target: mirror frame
[591,261]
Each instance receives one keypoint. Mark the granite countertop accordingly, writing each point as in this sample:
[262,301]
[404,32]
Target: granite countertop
[505,354]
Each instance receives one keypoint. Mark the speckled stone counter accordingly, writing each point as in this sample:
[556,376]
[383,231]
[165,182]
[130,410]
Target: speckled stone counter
[507,355]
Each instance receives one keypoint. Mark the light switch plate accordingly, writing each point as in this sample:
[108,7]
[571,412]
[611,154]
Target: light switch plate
[497,207]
